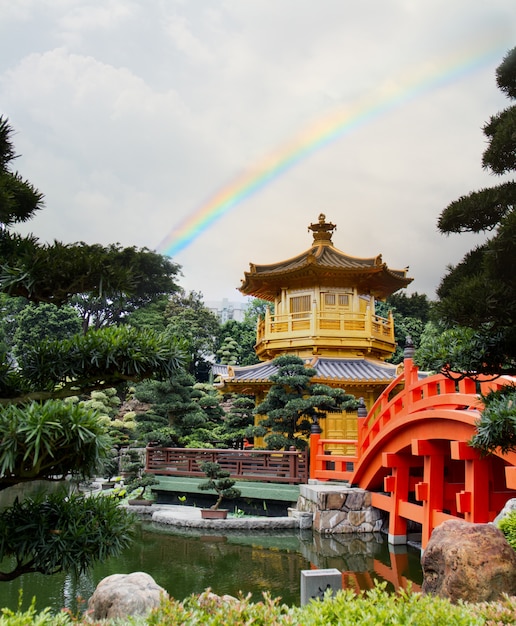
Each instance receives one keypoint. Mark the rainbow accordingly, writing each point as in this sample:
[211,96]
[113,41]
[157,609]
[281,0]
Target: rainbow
[323,132]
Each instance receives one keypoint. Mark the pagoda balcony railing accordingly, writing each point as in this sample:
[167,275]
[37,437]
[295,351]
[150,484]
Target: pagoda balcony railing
[325,324]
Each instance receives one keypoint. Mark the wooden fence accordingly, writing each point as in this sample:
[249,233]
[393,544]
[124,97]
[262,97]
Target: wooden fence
[272,466]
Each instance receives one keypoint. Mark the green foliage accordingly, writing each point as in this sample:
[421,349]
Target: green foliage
[480,292]
[453,350]
[497,425]
[62,533]
[229,351]
[10,310]
[372,608]
[146,279]
[44,322]
[182,413]
[107,280]
[235,340]
[508,526]
[410,315]
[233,335]
[189,318]
[239,421]
[151,315]
[209,400]
[369,608]
[256,309]
[218,481]
[293,403]
[19,200]
[49,439]
[138,488]
[35,618]
[100,358]
[415,306]
[110,466]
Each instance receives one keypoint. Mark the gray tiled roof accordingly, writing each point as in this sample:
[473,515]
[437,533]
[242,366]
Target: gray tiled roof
[331,369]
[355,369]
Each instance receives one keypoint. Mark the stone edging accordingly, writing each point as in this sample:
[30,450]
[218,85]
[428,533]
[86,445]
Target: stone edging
[184,518]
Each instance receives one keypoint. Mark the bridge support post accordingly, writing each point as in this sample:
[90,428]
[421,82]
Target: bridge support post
[473,502]
[431,490]
[398,486]
[314,452]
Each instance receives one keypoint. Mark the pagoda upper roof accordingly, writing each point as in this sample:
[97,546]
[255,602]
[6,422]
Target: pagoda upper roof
[325,266]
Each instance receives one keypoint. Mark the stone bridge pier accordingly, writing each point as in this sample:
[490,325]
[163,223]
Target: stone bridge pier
[339,509]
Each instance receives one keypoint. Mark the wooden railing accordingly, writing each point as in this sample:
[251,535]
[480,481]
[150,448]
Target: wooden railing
[273,466]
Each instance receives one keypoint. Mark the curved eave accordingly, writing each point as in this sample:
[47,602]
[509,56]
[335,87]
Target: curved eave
[325,266]
[329,371]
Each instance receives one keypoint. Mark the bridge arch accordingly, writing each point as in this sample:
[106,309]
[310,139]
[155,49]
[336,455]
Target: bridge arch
[412,454]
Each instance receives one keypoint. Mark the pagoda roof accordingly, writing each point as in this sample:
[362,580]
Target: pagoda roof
[325,266]
[357,370]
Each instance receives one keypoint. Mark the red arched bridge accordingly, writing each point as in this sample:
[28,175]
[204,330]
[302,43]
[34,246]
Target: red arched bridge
[412,454]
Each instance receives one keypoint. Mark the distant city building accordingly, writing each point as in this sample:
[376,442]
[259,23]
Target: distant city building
[226,310]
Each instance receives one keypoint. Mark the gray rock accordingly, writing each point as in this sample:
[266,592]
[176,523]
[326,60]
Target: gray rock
[121,595]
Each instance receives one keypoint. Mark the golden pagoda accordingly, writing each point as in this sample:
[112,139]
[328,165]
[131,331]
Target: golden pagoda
[324,312]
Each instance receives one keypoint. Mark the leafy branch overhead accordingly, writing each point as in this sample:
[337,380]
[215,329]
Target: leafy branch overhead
[49,535]
[98,359]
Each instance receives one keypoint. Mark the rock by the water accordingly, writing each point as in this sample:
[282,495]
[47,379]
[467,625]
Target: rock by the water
[121,595]
[471,562]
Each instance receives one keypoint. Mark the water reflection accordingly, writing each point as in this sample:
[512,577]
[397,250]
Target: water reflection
[189,562]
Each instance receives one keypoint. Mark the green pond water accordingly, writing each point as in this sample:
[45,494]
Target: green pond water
[189,562]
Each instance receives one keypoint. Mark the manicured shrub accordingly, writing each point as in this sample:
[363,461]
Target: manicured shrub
[344,608]
[369,608]
[508,526]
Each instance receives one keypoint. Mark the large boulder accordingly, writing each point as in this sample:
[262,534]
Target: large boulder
[471,562]
[121,595]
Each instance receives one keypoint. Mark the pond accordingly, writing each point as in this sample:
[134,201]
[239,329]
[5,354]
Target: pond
[189,562]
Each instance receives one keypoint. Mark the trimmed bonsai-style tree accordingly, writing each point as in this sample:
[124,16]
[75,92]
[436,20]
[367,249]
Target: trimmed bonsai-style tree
[218,481]
[138,488]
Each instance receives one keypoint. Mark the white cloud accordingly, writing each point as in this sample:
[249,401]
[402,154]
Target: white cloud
[129,115]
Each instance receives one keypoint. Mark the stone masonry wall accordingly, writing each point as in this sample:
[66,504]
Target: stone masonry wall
[339,509]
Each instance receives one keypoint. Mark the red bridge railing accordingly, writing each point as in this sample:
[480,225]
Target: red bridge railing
[272,466]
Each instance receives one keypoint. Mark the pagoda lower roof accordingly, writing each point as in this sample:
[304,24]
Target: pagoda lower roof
[326,266]
[359,370]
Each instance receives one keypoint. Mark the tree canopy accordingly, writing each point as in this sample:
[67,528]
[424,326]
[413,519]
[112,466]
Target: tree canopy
[189,318]
[479,293]
[111,280]
[294,403]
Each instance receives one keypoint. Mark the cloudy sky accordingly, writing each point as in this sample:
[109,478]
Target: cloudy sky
[131,115]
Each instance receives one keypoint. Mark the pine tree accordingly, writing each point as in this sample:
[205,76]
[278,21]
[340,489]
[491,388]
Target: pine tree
[479,294]
[293,404]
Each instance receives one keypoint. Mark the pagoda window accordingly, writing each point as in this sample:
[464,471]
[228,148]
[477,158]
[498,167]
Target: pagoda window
[300,306]
[333,300]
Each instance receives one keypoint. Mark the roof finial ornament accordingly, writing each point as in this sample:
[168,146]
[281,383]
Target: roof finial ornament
[322,230]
